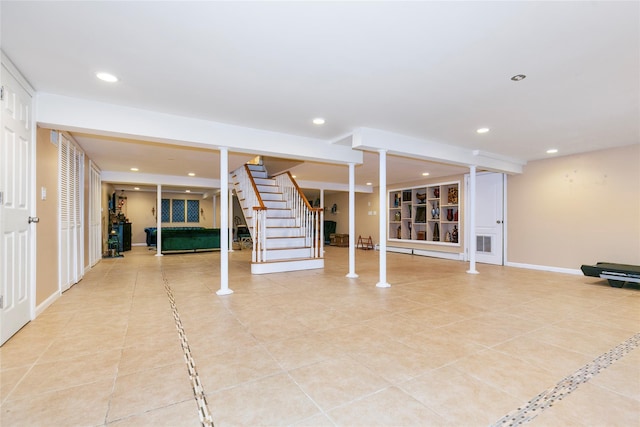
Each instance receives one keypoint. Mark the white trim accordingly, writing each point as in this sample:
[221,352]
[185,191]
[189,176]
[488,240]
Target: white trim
[456,256]
[399,250]
[46,303]
[573,271]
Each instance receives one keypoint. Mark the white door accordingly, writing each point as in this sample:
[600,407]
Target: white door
[490,218]
[16,167]
[71,173]
[95,214]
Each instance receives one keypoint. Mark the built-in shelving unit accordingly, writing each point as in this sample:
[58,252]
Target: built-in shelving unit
[427,214]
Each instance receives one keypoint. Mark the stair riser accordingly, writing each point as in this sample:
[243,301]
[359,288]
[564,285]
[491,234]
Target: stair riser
[283,232]
[271,196]
[267,189]
[275,204]
[283,243]
[282,254]
[281,222]
[265,181]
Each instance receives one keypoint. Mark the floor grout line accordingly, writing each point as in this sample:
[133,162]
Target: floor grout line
[203,408]
[544,400]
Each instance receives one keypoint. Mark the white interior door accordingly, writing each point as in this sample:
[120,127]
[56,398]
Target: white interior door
[95,215]
[16,166]
[71,173]
[490,218]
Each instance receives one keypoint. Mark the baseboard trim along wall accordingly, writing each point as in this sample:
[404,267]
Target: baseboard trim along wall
[574,271]
[46,303]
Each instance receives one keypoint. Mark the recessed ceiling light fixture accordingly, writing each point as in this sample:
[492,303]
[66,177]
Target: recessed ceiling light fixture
[191,174]
[518,77]
[425,173]
[107,77]
[318,121]
[134,169]
[293,176]
[136,188]
[552,151]
[187,191]
[368,183]
[483,130]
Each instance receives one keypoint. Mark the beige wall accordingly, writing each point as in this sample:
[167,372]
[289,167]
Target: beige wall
[138,212]
[574,210]
[47,210]
[368,225]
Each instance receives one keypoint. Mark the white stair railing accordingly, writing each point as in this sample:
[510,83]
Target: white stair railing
[252,201]
[310,219]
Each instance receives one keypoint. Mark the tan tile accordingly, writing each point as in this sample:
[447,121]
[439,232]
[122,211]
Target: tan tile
[333,382]
[150,355]
[301,351]
[595,406]
[84,405]
[151,389]
[622,377]
[507,373]
[460,398]
[389,407]
[235,367]
[557,360]
[274,400]
[51,376]
[182,414]
[9,378]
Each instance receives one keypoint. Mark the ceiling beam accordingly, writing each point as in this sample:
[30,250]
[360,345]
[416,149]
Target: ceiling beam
[374,140]
[79,115]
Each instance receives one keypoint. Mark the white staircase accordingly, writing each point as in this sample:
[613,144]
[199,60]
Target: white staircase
[284,228]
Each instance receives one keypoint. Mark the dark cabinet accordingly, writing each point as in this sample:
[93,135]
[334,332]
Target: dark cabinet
[123,230]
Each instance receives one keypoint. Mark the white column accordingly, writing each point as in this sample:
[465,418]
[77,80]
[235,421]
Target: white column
[224,223]
[324,216]
[383,220]
[215,212]
[231,223]
[471,222]
[352,222]
[159,221]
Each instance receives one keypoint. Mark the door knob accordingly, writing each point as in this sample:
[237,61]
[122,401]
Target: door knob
[34,219]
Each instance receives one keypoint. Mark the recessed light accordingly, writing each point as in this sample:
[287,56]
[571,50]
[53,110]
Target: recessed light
[368,183]
[187,191]
[135,169]
[483,130]
[191,174]
[106,77]
[293,176]
[425,173]
[136,188]
[518,77]
[552,151]
[318,121]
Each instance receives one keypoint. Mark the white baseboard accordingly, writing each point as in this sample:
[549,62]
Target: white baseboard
[574,271]
[435,254]
[46,303]
[138,244]
[399,250]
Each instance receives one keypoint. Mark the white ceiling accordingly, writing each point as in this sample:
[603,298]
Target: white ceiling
[431,70]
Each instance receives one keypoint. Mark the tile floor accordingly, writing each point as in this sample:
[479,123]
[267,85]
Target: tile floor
[440,347]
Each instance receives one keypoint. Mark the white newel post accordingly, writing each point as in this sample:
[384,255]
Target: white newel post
[352,222]
[159,220]
[322,225]
[472,220]
[215,212]
[224,223]
[232,224]
[383,220]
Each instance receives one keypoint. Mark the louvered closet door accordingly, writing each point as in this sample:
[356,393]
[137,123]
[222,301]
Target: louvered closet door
[71,208]
[95,204]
